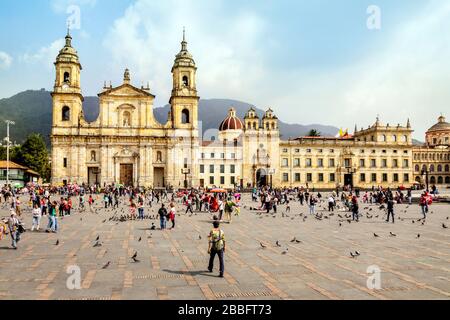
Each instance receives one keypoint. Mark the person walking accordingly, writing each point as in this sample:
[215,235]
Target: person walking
[37,214]
[312,205]
[217,246]
[14,226]
[390,209]
[229,205]
[221,208]
[355,209]
[331,203]
[172,214]
[162,216]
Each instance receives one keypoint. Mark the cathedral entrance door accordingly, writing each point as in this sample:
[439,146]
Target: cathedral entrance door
[261,178]
[158,178]
[126,174]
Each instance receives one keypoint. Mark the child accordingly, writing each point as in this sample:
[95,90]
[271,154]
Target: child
[172,214]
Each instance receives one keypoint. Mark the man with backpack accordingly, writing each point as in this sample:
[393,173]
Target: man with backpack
[216,246]
[163,217]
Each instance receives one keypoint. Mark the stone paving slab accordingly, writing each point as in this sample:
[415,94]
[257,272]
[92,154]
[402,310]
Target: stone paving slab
[173,263]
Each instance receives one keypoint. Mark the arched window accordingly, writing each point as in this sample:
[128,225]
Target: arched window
[417,168]
[424,168]
[418,179]
[66,77]
[186,81]
[394,138]
[126,119]
[383,138]
[185,117]
[254,125]
[93,156]
[447,168]
[439,168]
[440,180]
[432,168]
[447,179]
[405,139]
[159,156]
[65,113]
[433,180]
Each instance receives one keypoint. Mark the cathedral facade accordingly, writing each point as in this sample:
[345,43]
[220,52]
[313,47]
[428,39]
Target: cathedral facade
[126,145]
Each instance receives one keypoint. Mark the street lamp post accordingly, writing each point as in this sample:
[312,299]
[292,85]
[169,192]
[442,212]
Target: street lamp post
[186,172]
[425,173]
[8,142]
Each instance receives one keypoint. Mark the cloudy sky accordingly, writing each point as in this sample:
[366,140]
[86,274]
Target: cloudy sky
[311,61]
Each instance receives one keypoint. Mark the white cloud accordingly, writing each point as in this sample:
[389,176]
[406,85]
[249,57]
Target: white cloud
[407,75]
[225,47]
[45,55]
[5,60]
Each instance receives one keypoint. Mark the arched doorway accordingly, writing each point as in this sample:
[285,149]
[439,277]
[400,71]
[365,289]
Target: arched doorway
[261,178]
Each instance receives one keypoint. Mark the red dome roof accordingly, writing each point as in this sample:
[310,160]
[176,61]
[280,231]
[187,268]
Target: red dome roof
[232,122]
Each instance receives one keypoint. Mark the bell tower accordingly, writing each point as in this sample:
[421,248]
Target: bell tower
[67,97]
[184,99]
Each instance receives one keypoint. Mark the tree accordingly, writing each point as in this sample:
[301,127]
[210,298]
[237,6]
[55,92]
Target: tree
[13,152]
[33,154]
[314,133]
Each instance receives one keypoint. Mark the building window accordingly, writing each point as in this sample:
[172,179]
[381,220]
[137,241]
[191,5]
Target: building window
[331,163]
[211,181]
[297,177]
[285,177]
[309,177]
[331,150]
[185,117]
[93,156]
[383,138]
[233,180]
[202,168]
[406,177]
[374,177]
[321,177]
[395,163]
[222,168]
[65,113]
[285,162]
[186,81]
[297,162]
[405,163]
[233,156]
[297,150]
[308,150]
[362,163]
[385,177]
[213,155]
[320,163]
[362,177]
[308,163]
[65,162]
[203,156]
[383,163]
[395,177]
[222,180]
[232,169]
[211,168]
[285,150]
[332,177]
[347,163]
[373,163]
[66,77]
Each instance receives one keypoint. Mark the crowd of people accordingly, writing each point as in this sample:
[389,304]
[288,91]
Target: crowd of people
[55,203]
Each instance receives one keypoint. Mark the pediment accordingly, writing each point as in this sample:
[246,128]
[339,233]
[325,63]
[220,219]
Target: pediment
[126,90]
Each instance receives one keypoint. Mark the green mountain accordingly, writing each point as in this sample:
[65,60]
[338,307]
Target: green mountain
[32,112]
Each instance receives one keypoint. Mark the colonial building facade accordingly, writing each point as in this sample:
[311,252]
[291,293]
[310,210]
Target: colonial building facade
[127,145]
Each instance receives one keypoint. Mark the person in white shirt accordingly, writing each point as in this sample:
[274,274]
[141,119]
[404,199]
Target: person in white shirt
[331,203]
[37,214]
[221,207]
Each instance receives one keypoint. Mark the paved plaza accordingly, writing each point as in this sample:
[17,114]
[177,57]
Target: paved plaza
[173,263]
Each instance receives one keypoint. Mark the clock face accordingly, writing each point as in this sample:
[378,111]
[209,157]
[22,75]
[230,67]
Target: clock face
[65,86]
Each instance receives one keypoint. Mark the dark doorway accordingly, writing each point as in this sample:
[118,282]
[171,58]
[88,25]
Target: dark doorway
[261,178]
[93,176]
[126,174]
[348,180]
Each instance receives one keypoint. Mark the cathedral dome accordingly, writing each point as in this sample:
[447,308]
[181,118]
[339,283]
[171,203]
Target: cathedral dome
[231,122]
[442,125]
[68,53]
